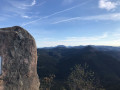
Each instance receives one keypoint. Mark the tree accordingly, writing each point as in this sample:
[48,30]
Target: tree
[47,82]
[82,79]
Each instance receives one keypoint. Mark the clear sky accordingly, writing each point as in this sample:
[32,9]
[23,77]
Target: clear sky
[65,22]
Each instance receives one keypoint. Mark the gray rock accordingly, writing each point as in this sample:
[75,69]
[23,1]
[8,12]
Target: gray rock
[19,60]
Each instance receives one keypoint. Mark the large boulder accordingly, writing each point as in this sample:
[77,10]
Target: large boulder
[18,53]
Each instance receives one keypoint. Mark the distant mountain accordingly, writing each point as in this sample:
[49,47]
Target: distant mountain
[61,46]
[101,48]
[107,48]
[104,61]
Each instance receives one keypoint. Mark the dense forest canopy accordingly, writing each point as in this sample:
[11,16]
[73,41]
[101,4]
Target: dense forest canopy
[102,60]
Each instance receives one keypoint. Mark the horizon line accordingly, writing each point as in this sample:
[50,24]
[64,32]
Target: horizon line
[78,45]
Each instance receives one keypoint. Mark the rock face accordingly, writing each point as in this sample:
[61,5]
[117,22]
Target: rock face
[19,60]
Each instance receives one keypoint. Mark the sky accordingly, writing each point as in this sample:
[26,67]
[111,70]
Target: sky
[65,22]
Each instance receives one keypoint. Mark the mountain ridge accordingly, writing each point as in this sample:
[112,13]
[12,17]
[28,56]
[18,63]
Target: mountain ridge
[105,66]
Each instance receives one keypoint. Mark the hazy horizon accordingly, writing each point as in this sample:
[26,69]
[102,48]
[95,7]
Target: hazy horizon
[65,22]
[78,46]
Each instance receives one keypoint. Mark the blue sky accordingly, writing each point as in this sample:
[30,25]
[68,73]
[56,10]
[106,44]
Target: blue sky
[65,22]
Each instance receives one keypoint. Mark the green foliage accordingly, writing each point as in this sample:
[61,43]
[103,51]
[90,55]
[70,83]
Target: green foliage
[47,82]
[82,79]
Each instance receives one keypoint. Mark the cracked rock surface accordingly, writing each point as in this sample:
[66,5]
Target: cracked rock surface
[19,60]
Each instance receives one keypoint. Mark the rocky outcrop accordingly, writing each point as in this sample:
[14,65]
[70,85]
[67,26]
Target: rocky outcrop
[19,60]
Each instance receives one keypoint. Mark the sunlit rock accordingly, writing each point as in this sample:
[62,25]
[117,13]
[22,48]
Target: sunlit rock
[18,60]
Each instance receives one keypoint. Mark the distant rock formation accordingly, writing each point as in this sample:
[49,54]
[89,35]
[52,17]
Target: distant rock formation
[19,60]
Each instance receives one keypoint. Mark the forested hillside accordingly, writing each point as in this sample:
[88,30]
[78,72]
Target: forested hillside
[103,61]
